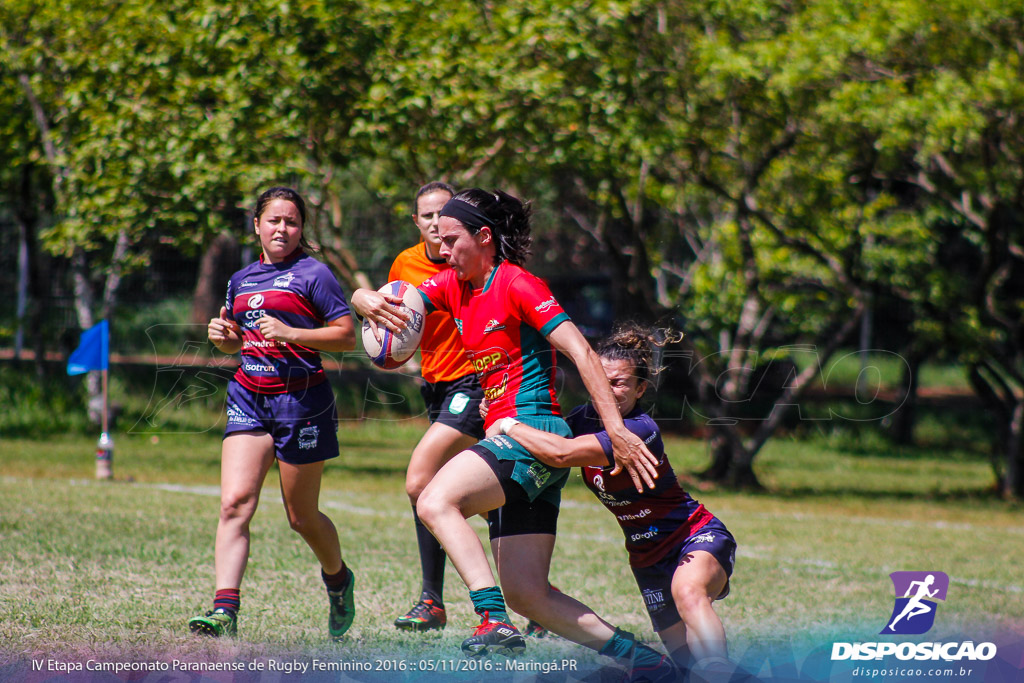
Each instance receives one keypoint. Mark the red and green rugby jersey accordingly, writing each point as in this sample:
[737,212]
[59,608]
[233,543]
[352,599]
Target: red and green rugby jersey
[504,326]
[300,292]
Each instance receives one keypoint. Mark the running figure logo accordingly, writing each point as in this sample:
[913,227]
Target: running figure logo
[916,595]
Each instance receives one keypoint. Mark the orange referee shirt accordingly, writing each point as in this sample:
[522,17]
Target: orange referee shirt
[443,357]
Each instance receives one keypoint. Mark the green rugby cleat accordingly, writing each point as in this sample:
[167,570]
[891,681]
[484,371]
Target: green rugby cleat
[343,608]
[219,622]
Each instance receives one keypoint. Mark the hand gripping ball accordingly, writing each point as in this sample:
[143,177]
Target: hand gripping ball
[393,350]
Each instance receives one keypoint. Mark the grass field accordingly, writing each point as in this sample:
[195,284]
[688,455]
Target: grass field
[111,571]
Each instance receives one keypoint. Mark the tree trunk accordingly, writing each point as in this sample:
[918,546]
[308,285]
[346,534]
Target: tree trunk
[27,210]
[1013,478]
[214,272]
[905,418]
[83,310]
[732,465]
[1007,454]
[721,455]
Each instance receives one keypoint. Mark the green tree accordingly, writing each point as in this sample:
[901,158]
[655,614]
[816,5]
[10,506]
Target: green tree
[938,99]
[155,122]
[658,131]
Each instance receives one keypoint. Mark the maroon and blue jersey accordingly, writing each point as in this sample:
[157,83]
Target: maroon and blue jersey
[504,326]
[301,292]
[656,520]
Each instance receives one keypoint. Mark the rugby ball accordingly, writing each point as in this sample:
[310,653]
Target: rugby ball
[393,350]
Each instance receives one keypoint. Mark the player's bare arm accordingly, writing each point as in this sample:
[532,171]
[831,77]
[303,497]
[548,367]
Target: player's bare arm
[555,450]
[628,449]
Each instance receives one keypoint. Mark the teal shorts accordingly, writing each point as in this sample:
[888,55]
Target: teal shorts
[534,478]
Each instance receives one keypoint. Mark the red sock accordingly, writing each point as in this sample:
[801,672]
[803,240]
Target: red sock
[228,599]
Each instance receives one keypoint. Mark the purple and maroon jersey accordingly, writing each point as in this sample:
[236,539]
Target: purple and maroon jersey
[301,292]
[504,326]
[653,521]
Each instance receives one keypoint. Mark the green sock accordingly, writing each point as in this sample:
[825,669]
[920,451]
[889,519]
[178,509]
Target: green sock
[619,646]
[490,600]
[623,645]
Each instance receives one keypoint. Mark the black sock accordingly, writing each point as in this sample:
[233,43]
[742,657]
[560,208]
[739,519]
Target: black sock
[432,558]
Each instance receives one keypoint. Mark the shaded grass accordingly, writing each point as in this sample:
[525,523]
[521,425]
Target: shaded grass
[883,369]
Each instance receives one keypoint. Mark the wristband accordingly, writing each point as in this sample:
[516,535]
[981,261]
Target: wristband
[507,423]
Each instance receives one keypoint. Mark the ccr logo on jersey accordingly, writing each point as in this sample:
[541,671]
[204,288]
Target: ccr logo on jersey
[916,596]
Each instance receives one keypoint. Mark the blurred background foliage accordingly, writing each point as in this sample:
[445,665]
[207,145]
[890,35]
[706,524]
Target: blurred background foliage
[780,180]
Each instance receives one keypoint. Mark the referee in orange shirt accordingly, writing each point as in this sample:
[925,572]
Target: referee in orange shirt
[452,394]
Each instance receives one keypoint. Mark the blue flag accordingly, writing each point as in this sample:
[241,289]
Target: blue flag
[93,352]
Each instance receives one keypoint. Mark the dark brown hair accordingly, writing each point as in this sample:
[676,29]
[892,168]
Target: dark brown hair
[435,186]
[288,194]
[508,218]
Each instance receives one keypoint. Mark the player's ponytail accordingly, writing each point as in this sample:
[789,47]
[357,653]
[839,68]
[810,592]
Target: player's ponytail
[639,345]
[508,218]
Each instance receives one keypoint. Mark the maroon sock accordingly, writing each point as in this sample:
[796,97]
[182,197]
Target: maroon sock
[336,582]
[228,599]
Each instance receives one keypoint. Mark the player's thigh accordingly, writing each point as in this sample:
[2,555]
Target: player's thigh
[245,459]
[438,445]
[466,482]
[698,574]
[300,488]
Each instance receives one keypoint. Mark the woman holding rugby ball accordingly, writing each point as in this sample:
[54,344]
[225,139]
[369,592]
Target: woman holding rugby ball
[681,555]
[512,328]
[452,394]
[280,312]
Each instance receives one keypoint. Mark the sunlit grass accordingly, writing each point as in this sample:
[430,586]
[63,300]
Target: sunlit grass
[107,568]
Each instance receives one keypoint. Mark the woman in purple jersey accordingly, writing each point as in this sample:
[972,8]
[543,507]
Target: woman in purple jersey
[681,555]
[280,312]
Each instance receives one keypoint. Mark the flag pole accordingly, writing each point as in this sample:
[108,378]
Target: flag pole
[103,420]
[105,447]
[93,353]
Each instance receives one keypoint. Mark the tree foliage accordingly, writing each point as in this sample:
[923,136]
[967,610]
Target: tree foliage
[763,174]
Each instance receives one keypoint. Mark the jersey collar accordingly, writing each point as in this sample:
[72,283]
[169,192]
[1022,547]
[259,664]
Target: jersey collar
[287,259]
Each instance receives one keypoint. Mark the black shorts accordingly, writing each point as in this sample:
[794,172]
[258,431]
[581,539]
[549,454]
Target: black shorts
[518,515]
[456,404]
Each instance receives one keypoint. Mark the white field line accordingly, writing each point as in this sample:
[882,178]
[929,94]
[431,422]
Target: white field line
[805,517]
[745,553]
[269,494]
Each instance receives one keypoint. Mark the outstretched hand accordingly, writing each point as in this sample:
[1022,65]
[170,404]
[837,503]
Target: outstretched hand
[632,454]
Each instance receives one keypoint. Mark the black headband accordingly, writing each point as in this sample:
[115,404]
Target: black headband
[464,212]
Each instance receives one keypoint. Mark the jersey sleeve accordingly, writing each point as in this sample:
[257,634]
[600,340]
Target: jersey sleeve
[326,296]
[536,304]
[644,427]
[435,290]
[229,300]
